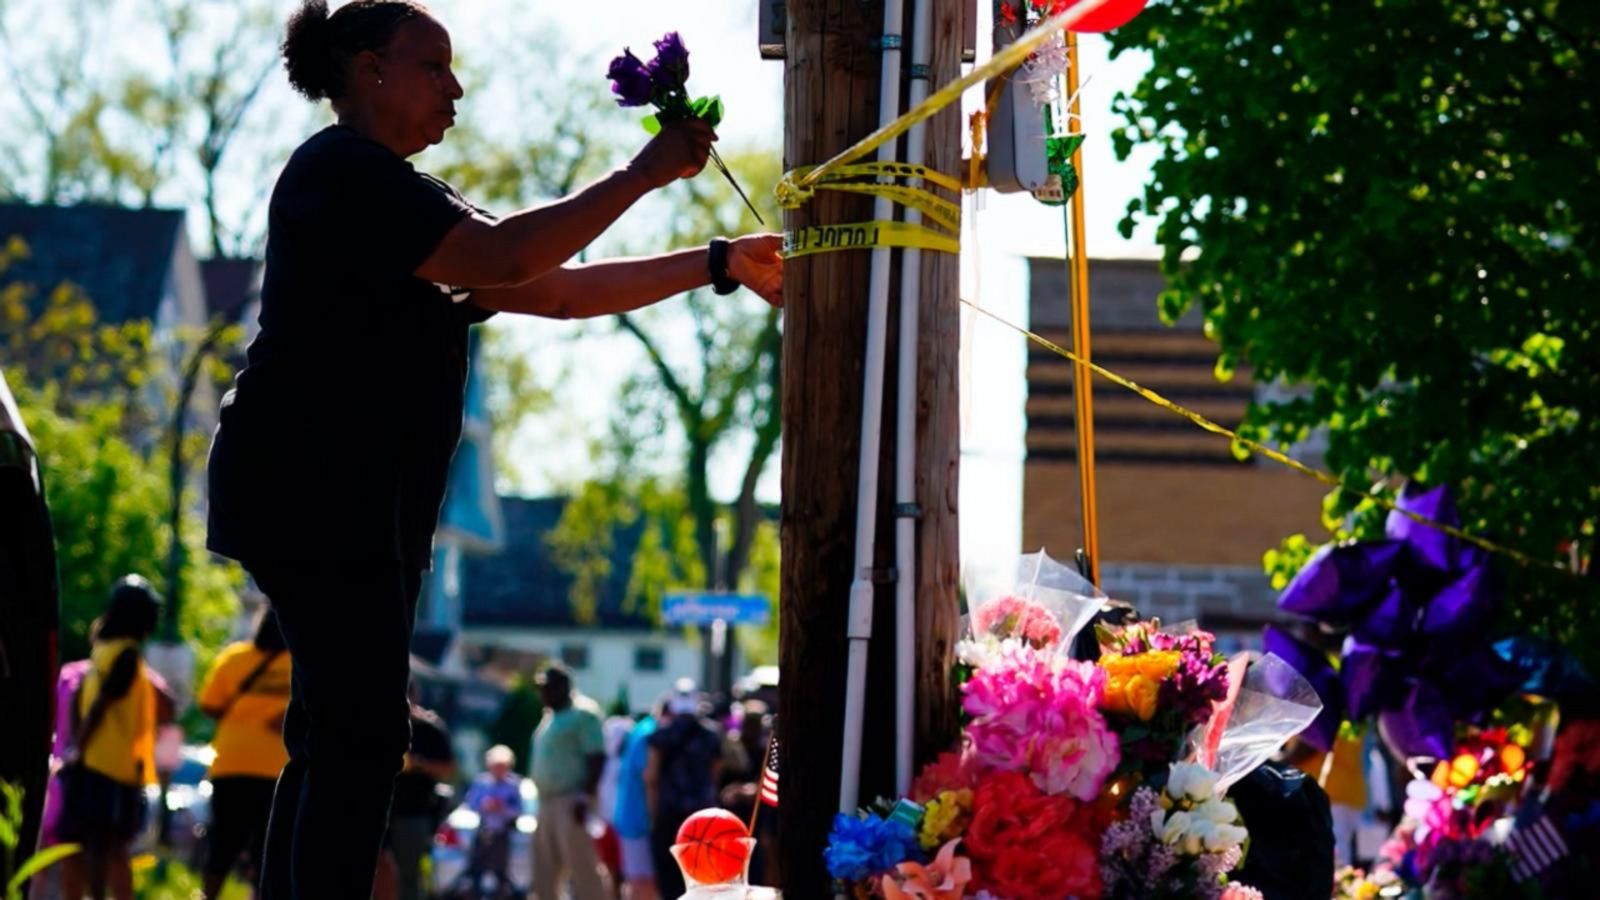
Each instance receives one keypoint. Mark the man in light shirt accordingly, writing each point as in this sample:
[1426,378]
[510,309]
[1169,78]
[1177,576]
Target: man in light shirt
[568,759]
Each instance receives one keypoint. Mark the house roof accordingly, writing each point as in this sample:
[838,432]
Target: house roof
[230,286]
[523,587]
[120,257]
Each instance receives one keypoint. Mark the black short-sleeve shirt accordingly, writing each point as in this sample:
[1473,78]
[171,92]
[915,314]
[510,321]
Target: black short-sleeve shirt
[336,438]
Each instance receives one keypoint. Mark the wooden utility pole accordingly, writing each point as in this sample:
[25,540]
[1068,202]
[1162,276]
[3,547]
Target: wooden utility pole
[831,85]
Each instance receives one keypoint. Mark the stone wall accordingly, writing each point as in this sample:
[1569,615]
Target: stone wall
[1224,594]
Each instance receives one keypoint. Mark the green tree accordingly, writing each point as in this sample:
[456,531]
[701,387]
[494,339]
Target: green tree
[724,397]
[85,390]
[1390,206]
[519,717]
[139,104]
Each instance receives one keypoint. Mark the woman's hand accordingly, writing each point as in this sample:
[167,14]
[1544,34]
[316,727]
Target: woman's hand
[756,261]
[679,151]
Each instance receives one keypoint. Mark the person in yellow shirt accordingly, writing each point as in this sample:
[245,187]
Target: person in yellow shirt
[111,758]
[247,692]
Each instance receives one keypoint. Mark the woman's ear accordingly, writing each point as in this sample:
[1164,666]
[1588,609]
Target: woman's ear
[367,66]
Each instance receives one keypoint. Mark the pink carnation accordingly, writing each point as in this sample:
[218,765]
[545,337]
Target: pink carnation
[1236,891]
[1033,714]
[1011,616]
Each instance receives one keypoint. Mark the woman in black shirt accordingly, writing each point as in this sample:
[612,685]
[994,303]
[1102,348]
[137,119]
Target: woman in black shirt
[330,460]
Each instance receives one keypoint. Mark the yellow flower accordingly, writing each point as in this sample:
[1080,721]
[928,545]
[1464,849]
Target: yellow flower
[1118,666]
[945,818]
[1142,693]
[1157,665]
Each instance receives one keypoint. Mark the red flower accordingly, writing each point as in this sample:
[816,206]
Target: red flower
[952,770]
[1027,844]
[1008,14]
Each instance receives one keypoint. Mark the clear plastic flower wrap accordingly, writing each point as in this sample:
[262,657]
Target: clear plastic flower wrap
[1268,703]
[1045,606]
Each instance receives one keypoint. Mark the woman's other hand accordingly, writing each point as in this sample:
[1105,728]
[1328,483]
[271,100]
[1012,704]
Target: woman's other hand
[679,151]
[756,261]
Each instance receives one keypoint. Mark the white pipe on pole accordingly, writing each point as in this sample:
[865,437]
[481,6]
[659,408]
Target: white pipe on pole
[859,624]
[906,510]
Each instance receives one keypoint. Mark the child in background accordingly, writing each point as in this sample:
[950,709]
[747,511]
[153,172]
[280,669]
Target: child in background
[496,796]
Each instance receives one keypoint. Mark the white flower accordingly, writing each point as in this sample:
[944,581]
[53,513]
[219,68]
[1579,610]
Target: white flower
[1199,836]
[1217,810]
[1222,837]
[1176,826]
[1192,781]
[975,653]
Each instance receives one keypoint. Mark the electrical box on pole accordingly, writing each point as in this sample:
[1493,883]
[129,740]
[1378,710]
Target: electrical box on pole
[1015,151]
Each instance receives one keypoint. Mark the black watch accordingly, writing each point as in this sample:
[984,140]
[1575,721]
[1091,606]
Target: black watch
[717,263]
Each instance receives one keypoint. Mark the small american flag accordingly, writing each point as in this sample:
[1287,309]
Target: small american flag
[769,772]
[1534,848]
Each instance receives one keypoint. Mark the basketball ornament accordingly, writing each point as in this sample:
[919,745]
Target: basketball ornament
[1114,14]
[713,848]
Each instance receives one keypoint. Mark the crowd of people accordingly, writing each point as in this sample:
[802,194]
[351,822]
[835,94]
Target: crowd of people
[612,791]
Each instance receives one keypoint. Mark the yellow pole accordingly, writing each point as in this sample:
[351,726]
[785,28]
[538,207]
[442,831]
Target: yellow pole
[1078,292]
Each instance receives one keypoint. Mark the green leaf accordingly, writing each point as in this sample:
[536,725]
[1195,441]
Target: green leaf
[40,861]
[652,124]
[708,108]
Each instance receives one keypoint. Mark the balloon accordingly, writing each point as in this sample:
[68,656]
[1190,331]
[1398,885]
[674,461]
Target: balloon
[1113,14]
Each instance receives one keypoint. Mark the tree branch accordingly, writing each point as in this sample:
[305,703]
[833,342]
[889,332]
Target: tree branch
[687,406]
[746,513]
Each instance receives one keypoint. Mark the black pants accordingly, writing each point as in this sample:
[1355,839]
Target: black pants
[348,726]
[663,834]
[240,807]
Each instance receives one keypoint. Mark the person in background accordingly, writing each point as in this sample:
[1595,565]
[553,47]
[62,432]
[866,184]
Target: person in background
[680,779]
[631,815]
[246,692]
[615,730]
[496,796]
[47,884]
[568,758]
[112,756]
[417,809]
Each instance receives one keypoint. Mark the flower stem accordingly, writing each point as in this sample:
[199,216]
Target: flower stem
[723,168]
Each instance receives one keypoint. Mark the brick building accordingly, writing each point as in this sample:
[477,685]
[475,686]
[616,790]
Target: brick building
[1183,524]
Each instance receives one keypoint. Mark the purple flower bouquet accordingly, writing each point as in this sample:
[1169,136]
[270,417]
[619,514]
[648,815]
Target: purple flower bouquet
[663,83]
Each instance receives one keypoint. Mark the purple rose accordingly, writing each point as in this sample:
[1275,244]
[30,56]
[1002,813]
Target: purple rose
[630,80]
[670,68]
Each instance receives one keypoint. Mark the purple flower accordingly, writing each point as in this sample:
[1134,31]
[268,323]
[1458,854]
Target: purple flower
[630,80]
[670,69]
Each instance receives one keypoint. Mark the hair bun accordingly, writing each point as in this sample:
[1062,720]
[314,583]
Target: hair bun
[308,52]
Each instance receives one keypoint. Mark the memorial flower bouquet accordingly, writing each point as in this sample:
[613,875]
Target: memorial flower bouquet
[663,83]
[1036,799]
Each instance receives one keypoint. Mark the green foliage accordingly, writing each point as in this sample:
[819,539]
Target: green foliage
[11,835]
[1390,205]
[583,543]
[619,704]
[95,398]
[519,716]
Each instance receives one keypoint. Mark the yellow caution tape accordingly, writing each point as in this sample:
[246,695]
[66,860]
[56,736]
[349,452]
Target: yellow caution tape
[940,210]
[1004,60]
[1277,456]
[865,236]
[879,233]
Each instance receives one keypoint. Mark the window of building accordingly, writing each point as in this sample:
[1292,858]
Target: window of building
[575,656]
[649,659]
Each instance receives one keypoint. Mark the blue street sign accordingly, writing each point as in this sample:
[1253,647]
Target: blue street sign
[705,608]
